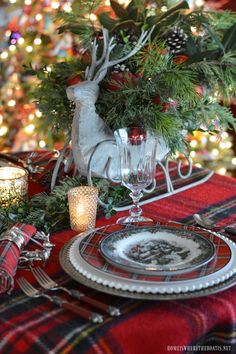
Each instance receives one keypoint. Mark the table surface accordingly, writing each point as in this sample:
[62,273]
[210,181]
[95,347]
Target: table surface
[37,326]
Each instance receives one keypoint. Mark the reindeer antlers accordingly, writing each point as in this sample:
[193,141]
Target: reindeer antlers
[90,70]
[104,61]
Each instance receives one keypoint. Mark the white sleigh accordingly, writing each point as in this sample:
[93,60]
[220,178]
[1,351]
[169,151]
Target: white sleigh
[93,145]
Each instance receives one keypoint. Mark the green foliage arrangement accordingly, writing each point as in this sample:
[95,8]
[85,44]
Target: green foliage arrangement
[50,212]
[176,84]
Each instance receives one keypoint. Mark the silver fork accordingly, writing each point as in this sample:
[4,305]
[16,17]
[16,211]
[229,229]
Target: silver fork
[48,283]
[30,291]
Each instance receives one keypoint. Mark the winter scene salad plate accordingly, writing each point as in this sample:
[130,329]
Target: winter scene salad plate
[157,250]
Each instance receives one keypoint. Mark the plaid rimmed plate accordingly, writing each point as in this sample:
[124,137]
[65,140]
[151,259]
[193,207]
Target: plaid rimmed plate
[86,259]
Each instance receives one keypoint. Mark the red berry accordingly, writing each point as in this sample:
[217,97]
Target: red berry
[180,59]
[73,80]
[123,78]
[156,99]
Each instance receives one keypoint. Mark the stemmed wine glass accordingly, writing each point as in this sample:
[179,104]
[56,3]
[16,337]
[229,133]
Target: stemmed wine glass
[137,149]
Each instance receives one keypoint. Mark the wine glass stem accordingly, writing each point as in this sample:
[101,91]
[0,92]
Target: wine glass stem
[135,210]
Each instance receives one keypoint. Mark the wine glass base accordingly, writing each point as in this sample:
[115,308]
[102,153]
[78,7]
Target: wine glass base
[132,219]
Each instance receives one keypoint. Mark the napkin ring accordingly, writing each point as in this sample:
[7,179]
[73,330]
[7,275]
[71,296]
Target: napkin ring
[27,258]
[14,235]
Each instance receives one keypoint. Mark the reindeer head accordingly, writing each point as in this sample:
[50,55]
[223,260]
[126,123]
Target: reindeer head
[86,91]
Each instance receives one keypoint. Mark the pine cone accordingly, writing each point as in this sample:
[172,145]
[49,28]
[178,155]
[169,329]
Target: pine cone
[176,40]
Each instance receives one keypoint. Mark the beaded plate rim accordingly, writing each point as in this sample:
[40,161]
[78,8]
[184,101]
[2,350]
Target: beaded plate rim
[75,275]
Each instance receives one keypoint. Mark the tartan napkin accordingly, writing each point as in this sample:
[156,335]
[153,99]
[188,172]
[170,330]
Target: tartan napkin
[9,256]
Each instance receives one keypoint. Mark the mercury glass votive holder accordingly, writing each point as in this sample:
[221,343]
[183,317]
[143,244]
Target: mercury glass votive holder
[13,186]
[83,207]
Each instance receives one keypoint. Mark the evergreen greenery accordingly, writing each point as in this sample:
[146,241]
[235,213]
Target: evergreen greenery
[165,94]
[50,95]
[49,212]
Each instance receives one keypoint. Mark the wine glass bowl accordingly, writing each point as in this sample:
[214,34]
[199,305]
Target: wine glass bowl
[137,150]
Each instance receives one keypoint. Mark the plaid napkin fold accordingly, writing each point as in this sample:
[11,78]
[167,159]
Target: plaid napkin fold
[10,253]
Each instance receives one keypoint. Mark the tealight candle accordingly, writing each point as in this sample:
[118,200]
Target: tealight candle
[83,207]
[13,186]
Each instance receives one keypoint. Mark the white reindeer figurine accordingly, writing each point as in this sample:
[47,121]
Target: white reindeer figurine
[93,144]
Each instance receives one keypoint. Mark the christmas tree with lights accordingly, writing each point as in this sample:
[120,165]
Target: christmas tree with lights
[28,38]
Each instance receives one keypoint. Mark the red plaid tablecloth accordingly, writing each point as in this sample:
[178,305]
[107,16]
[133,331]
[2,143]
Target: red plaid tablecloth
[201,325]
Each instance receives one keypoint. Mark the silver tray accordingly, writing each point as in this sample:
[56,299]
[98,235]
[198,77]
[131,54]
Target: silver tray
[159,250]
[73,273]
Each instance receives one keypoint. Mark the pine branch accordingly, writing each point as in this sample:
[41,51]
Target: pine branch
[50,212]
[208,116]
[79,22]
[219,75]
[220,20]
[57,111]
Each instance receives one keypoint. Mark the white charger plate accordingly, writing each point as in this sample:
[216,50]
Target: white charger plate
[74,274]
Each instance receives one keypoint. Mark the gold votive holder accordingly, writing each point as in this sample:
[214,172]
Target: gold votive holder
[83,207]
[13,186]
